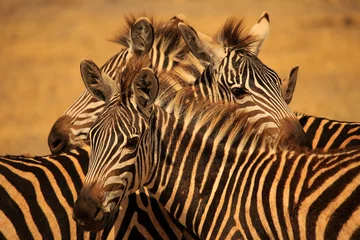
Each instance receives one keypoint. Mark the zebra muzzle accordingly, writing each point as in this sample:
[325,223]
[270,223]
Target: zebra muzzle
[89,214]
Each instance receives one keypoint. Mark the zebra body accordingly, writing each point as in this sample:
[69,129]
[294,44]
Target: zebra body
[187,159]
[37,196]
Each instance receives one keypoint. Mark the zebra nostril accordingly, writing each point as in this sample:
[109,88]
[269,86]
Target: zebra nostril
[57,146]
[59,138]
[98,214]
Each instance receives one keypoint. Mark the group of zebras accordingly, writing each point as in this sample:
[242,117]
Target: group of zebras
[183,136]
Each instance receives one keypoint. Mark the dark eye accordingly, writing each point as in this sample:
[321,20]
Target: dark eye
[238,92]
[132,142]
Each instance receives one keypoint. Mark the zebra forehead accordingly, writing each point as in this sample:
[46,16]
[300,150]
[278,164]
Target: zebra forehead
[233,35]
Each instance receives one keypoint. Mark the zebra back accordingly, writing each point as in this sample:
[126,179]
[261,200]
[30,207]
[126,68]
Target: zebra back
[328,134]
[37,196]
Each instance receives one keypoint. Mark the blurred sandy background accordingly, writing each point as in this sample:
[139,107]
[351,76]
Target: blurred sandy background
[42,43]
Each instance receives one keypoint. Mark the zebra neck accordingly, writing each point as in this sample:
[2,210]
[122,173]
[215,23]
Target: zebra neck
[189,160]
[209,186]
[208,86]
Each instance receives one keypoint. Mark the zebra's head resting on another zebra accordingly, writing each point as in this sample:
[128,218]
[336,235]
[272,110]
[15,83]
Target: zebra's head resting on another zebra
[161,41]
[119,161]
[233,65]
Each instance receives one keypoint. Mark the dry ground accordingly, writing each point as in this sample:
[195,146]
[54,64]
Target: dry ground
[42,43]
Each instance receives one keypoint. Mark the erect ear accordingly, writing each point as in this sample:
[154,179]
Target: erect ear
[146,88]
[142,36]
[288,85]
[260,30]
[201,45]
[99,85]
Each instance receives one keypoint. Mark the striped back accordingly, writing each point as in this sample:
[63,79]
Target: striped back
[162,43]
[330,134]
[37,196]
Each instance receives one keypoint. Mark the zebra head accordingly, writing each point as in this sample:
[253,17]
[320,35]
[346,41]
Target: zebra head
[114,140]
[164,47]
[240,76]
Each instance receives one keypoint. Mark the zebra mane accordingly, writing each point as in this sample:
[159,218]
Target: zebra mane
[226,120]
[166,35]
[125,78]
[169,82]
[122,37]
[233,35]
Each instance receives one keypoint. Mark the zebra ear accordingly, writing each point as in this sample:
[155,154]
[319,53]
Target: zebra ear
[260,30]
[146,88]
[201,45]
[99,85]
[142,36]
[288,85]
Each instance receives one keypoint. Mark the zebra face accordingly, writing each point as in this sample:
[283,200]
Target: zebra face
[240,76]
[243,76]
[112,175]
[115,170]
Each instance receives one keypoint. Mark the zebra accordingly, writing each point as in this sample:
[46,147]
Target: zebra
[37,195]
[187,159]
[161,41]
[166,50]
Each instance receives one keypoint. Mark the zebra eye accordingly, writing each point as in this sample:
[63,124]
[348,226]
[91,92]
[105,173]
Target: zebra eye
[132,142]
[238,92]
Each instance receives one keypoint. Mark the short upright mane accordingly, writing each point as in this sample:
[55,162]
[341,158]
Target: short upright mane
[123,35]
[229,122]
[125,78]
[169,82]
[167,35]
[233,35]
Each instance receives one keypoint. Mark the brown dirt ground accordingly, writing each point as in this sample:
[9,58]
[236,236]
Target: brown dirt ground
[41,46]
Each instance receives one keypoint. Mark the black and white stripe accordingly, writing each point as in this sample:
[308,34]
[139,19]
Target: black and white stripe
[330,134]
[37,196]
[187,159]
